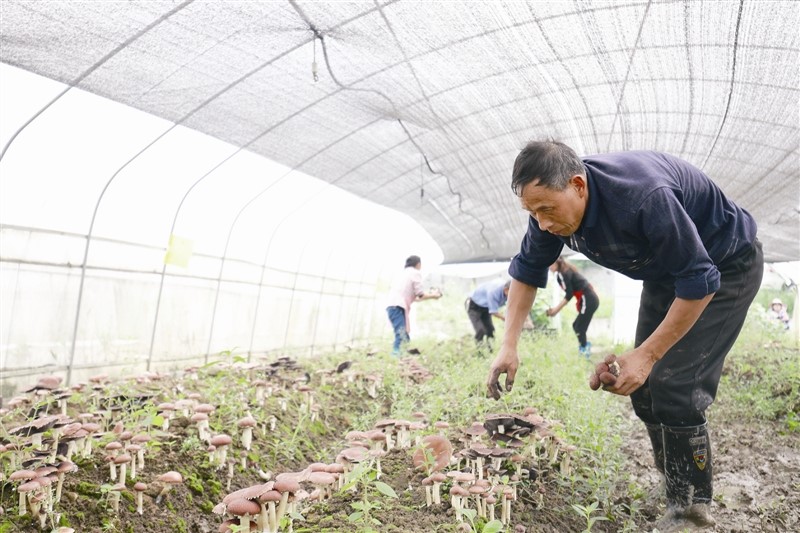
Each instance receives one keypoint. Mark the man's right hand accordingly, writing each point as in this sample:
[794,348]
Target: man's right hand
[506,362]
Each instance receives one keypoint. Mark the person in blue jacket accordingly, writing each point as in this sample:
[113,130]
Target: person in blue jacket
[483,304]
[655,218]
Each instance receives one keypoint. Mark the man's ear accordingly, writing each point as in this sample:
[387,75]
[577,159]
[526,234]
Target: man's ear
[579,182]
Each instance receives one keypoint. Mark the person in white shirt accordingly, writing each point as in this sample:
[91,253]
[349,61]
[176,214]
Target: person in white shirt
[406,289]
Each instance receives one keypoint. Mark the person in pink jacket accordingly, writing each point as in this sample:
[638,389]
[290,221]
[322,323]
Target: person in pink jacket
[406,289]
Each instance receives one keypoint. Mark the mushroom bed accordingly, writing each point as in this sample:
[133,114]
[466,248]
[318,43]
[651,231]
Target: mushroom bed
[346,442]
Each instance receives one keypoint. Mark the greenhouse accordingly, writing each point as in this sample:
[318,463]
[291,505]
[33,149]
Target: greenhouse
[270,266]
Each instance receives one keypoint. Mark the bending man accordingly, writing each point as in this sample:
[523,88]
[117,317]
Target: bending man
[656,218]
[484,303]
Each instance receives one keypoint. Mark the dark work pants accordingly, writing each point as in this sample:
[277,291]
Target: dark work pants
[481,321]
[587,305]
[683,384]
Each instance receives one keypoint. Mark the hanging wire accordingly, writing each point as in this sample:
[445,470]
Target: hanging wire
[314,71]
[422,180]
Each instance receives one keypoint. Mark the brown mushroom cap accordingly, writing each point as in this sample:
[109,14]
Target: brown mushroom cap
[270,496]
[140,487]
[171,477]
[247,422]
[457,490]
[335,468]
[141,438]
[321,478]
[22,474]
[123,458]
[204,408]
[286,485]
[198,417]
[248,493]
[221,440]
[67,466]
[28,487]
[241,507]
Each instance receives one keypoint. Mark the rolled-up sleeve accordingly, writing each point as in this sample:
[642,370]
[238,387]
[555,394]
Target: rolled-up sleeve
[676,244]
[537,252]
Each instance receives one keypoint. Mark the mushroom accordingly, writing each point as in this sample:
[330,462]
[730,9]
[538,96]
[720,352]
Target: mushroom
[139,488]
[167,409]
[285,487]
[244,509]
[122,461]
[201,420]
[116,493]
[141,440]
[271,497]
[63,468]
[322,481]
[23,491]
[221,442]
[133,450]
[428,483]
[113,448]
[437,478]
[169,480]
[247,424]
[441,426]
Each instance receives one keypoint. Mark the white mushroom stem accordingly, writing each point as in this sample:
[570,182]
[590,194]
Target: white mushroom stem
[480,467]
[508,510]
[428,497]
[282,505]
[113,470]
[222,452]
[140,456]
[123,471]
[22,506]
[247,438]
[491,511]
[263,519]
[437,493]
[54,445]
[58,486]
[115,501]
[139,500]
[273,518]
[503,514]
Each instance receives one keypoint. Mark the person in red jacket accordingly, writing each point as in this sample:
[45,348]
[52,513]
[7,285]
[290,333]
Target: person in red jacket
[574,284]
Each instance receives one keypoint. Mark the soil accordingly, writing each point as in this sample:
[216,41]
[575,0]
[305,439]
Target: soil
[756,474]
[756,482]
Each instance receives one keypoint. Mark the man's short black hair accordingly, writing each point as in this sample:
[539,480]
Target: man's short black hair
[413,261]
[551,162]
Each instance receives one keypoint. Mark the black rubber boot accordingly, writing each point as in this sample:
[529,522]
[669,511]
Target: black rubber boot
[657,440]
[687,468]
[655,498]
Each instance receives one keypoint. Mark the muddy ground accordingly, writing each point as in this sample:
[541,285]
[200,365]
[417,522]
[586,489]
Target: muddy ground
[756,473]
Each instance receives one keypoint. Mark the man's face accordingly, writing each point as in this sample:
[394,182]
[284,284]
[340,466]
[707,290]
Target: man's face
[557,212]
